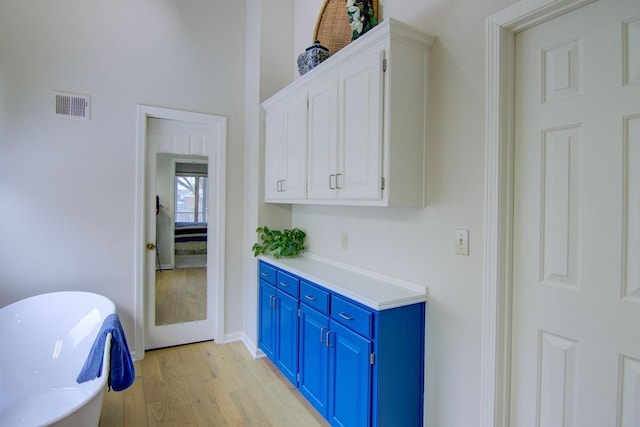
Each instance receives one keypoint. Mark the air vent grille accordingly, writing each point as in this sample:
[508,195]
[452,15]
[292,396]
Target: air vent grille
[71,105]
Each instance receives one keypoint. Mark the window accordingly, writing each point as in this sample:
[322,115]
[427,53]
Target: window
[191,197]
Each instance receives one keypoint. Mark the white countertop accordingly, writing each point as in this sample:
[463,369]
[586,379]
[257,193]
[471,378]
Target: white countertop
[371,289]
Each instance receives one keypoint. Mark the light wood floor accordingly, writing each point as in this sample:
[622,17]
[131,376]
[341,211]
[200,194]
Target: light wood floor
[181,295]
[207,384]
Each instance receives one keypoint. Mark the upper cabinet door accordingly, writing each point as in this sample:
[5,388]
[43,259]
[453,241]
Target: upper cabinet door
[360,141]
[286,149]
[274,123]
[323,139]
[295,149]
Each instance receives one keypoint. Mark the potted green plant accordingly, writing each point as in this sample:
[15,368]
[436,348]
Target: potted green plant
[280,243]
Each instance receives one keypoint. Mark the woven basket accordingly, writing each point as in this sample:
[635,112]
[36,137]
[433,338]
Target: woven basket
[332,27]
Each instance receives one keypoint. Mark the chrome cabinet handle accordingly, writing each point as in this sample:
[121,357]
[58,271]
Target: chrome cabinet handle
[322,336]
[273,302]
[345,317]
[283,284]
[309,297]
[328,343]
[264,274]
[331,185]
[338,187]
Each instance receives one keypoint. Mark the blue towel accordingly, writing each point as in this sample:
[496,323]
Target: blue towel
[122,373]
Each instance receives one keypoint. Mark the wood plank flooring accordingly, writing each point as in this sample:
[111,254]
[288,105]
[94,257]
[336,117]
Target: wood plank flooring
[181,295]
[207,384]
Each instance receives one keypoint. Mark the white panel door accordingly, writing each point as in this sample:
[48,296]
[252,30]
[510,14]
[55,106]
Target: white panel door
[576,249]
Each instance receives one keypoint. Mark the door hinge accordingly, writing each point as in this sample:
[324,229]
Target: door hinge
[298,312]
[382,183]
[298,377]
[372,359]
[384,65]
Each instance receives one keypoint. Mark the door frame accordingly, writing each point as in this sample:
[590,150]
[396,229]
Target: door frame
[501,29]
[217,163]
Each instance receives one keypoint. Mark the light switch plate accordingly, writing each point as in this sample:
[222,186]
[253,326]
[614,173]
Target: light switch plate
[462,241]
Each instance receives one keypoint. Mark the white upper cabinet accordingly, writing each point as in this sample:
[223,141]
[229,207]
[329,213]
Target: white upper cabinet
[286,149]
[360,141]
[364,119]
[323,116]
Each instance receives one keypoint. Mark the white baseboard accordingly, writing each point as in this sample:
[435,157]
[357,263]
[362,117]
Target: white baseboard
[232,337]
[252,348]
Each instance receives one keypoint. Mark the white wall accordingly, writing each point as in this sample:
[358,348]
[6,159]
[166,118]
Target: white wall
[67,187]
[269,47]
[418,244]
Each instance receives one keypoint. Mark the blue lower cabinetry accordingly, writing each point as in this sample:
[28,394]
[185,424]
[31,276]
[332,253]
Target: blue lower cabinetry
[314,358]
[267,320]
[349,377]
[278,329]
[355,365]
[287,340]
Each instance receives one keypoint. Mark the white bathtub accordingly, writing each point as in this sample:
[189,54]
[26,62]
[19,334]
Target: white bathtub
[44,342]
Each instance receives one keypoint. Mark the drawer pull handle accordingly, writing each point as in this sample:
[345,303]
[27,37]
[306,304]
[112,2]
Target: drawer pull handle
[265,274]
[286,285]
[345,317]
[309,297]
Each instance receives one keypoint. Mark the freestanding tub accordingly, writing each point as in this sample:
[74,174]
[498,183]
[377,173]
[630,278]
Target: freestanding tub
[44,343]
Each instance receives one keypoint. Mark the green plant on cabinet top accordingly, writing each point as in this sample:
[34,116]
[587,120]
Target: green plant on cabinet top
[285,243]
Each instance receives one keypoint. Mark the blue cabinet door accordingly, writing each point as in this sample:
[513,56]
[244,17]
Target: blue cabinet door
[349,377]
[314,358]
[267,320]
[287,336]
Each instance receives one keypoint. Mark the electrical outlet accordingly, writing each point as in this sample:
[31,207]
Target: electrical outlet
[462,241]
[344,241]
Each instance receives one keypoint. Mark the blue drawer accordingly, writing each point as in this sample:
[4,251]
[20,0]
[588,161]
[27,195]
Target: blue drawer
[288,283]
[314,296]
[267,273]
[352,316]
